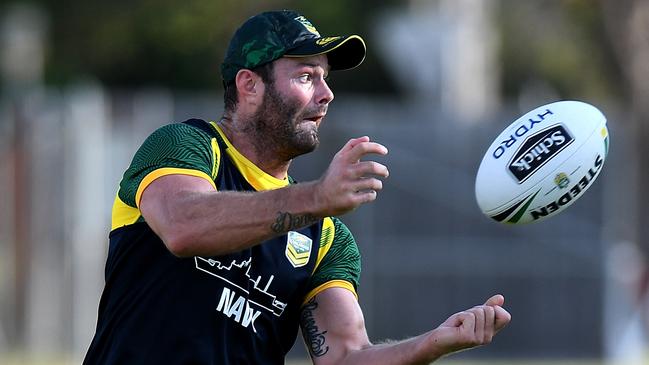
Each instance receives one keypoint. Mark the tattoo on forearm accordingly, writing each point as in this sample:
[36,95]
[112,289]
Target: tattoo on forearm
[286,221]
[314,339]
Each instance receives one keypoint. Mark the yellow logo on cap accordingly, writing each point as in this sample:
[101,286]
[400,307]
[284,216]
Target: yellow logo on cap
[307,24]
[326,40]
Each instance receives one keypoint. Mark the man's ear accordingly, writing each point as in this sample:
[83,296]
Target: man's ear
[249,86]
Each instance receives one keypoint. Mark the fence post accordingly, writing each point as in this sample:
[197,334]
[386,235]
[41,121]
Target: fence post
[87,206]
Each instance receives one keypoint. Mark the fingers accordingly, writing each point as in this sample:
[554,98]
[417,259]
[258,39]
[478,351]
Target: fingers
[496,300]
[502,318]
[366,184]
[354,141]
[480,324]
[366,188]
[356,148]
[350,182]
[489,327]
[365,168]
[484,324]
[365,197]
[473,327]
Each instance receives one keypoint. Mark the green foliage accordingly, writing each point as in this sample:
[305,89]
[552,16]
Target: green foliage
[165,42]
[180,44]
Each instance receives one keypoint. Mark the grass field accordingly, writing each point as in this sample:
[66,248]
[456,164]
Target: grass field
[17,359]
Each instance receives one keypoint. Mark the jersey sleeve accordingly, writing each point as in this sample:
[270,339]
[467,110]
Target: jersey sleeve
[172,149]
[339,260]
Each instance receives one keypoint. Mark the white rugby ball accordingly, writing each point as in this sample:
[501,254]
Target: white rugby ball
[542,163]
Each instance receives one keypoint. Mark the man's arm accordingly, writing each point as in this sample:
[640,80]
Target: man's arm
[193,219]
[334,332]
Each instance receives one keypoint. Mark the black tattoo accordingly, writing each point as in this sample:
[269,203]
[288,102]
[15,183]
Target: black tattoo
[286,221]
[315,340]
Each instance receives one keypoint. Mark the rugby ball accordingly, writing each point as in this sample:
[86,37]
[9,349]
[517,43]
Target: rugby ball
[542,163]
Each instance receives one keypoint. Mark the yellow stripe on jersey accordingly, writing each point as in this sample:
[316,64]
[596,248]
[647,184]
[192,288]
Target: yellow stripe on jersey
[326,239]
[330,284]
[123,214]
[216,154]
[151,176]
[255,176]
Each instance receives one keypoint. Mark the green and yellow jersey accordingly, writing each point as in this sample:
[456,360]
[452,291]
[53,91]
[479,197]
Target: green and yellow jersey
[233,309]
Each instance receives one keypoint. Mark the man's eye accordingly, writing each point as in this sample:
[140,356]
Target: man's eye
[305,78]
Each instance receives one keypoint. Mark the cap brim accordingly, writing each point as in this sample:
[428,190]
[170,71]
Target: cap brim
[343,52]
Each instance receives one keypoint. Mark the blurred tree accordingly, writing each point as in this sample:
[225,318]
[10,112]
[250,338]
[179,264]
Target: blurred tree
[179,44]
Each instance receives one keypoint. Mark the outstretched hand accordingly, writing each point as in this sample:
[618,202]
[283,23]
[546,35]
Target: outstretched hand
[350,182]
[470,328]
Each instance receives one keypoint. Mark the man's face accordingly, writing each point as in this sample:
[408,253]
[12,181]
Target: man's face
[294,105]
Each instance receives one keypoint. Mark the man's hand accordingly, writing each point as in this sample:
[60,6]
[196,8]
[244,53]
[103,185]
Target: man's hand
[350,182]
[334,331]
[470,328]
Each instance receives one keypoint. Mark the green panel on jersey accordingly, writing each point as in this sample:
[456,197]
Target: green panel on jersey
[342,261]
[175,145]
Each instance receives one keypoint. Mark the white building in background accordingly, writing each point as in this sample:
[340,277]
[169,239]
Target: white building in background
[444,53]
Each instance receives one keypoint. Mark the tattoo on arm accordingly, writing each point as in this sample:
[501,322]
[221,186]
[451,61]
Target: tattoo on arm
[286,221]
[315,340]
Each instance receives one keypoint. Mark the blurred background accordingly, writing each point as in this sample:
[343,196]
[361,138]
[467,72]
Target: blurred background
[82,83]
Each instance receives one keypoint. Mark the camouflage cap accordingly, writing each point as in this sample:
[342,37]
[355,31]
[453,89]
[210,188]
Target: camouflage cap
[268,36]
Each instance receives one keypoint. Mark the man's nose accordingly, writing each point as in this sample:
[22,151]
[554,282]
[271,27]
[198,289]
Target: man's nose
[324,94]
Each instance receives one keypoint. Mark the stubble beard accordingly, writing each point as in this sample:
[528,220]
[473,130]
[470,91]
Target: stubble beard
[280,129]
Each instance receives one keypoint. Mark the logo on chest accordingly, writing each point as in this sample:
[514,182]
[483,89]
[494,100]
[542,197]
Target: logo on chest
[298,248]
[243,296]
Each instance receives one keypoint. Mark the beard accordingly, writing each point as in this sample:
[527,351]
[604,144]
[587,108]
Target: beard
[280,128]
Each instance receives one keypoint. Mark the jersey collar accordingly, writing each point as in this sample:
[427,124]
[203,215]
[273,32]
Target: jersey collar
[255,176]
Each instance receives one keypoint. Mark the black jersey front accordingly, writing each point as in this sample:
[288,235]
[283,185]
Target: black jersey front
[241,308]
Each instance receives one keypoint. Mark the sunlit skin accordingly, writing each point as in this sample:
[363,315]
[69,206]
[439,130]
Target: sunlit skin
[280,120]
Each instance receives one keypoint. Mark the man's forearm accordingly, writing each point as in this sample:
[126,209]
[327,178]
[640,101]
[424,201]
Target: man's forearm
[193,219]
[217,223]
[413,351]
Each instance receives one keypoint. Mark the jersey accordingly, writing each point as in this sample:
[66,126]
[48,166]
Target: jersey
[240,308]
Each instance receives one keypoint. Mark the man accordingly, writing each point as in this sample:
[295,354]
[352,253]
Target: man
[216,256]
